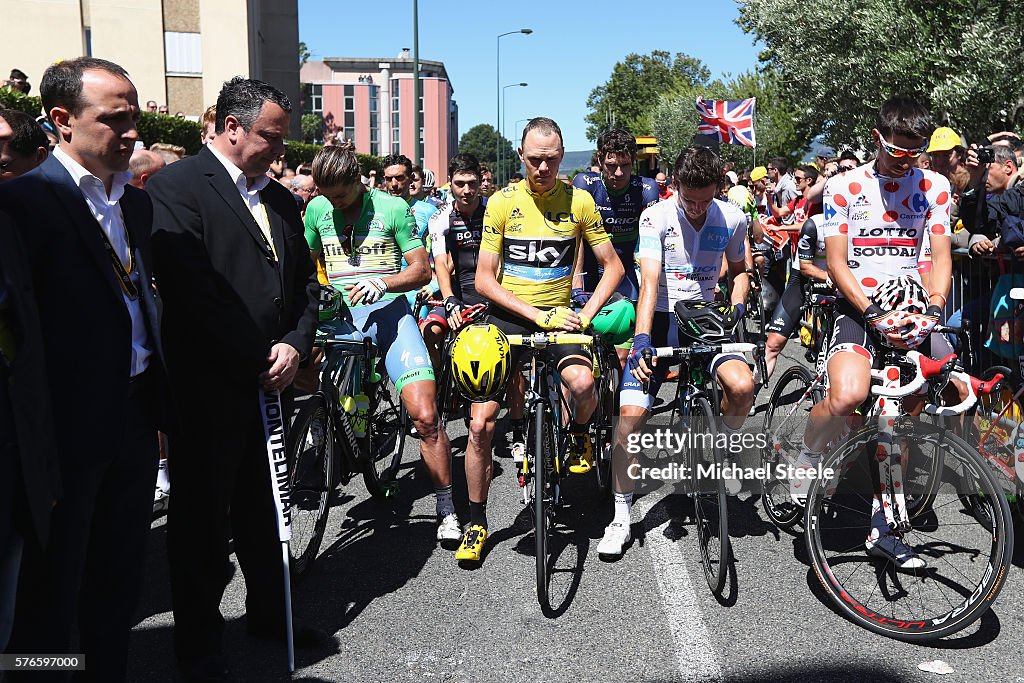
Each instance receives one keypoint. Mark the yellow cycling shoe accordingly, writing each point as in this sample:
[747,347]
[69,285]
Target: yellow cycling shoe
[583,453]
[472,546]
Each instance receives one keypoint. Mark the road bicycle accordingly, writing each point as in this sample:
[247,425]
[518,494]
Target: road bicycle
[914,474]
[353,424]
[698,406]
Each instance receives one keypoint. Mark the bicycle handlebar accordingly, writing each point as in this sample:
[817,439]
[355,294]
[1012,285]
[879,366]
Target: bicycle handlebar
[927,369]
[539,340]
[701,349]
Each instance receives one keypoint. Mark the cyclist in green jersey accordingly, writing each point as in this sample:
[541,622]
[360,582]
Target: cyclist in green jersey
[364,235]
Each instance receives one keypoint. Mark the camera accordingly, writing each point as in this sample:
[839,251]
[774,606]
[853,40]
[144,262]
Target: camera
[986,155]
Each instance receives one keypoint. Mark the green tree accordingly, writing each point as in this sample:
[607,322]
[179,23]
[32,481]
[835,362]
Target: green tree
[481,141]
[15,99]
[839,60]
[625,99]
[304,53]
[312,128]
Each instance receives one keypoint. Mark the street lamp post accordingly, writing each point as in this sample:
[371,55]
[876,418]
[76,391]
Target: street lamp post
[497,85]
[504,110]
[417,91]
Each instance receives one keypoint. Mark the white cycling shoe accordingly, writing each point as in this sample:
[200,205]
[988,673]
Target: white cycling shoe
[616,536]
[798,488]
[449,534]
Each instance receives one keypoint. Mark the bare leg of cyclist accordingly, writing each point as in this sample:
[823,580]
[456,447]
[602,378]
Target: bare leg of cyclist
[479,466]
[849,377]
[772,348]
[737,384]
[617,534]
[420,401]
[433,337]
[578,378]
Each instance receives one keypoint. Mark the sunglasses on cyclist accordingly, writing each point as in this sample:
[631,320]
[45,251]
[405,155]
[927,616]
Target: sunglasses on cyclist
[345,241]
[901,152]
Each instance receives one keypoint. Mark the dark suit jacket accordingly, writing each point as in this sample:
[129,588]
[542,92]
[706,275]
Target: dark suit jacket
[27,387]
[226,300]
[85,323]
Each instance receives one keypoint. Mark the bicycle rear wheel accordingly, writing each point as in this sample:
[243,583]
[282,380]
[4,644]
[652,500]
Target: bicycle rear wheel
[385,440]
[708,494]
[310,457]
[967,556]
[785,422]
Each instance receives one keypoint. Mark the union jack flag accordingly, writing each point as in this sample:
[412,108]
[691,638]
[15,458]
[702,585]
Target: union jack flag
[732,121]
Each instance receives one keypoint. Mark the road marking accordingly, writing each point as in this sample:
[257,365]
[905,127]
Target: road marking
[694,653]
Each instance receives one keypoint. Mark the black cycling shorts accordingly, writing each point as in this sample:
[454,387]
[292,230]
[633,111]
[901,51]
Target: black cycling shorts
[786,315]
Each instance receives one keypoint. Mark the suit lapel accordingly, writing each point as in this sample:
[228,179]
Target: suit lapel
[70,197]
[221,183]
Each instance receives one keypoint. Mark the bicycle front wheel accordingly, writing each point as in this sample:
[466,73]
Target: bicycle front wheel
[785,422]
[967,556]
[385,439]
[708,493]
[310,456]
[540,447]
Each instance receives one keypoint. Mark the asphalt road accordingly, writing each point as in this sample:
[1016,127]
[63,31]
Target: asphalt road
[401,609]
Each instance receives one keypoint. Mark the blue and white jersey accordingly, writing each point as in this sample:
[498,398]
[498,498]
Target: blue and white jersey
[620,214]
[691,259]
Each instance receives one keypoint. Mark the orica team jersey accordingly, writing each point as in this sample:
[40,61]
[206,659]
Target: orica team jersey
[888,222]
[691,259]
[811,247]
[458,236]
[620,213]
[372,247]
[535,236]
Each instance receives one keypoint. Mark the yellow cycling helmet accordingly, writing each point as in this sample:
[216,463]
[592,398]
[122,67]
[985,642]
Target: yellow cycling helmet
[480,362]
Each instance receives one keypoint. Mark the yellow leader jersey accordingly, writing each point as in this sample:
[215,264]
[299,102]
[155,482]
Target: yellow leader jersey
[536,236]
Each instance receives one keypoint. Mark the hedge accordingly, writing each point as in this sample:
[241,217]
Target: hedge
[15,99]
[302,153]
[155,128]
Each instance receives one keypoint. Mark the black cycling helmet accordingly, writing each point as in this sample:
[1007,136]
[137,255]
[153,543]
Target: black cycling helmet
[702,321]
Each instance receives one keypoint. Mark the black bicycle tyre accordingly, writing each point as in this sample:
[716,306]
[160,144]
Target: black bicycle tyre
[714,560]
[979,599]
[310,490]
[387,426]
[786,515]
[604,444]
[541,521]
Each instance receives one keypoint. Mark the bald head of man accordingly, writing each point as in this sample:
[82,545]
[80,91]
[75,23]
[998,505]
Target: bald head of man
[144,164]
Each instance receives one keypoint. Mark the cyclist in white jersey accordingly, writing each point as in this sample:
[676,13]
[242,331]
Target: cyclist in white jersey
[682,242]
[877,217]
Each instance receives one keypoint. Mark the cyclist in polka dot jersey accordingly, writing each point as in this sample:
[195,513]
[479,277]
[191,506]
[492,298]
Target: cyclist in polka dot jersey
[881,221]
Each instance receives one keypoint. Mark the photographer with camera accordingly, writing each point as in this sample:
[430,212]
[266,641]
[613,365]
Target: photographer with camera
[994,216]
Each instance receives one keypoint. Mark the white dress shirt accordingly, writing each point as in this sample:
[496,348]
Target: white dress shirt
[107,212]
[250,195]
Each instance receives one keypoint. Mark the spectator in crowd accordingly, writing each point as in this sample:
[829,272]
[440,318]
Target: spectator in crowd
[486,181]
[515,178]
[29,483]
[304,187]
[230,257]
[163,110]
[729,180]
[180,114]
[996,215]
[168,152]
[26,148]
[925,161]
[830,167]
[143,164]
[398,181]
[78,218]
[18,80]
[848,160]
[151,106]
[416,184]
[782,186]
[1011,140]
[946,151]
[209,122]
[664,187]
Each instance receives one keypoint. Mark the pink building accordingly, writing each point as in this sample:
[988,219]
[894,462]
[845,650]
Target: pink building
[370,101]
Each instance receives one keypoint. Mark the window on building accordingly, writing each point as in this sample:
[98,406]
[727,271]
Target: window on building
[87,39]
[313,99]
[396,130]
[374,120]
[350,113]
[183,52]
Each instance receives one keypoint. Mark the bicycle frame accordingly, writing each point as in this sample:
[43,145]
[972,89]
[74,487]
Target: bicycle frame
[346,365]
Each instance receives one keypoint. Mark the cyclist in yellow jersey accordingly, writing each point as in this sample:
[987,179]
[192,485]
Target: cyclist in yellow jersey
[530,235]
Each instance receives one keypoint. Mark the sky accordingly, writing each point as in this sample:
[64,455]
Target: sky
[572,48]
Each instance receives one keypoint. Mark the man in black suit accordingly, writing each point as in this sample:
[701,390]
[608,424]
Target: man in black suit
[240,309]
[87,242]
[29,481]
